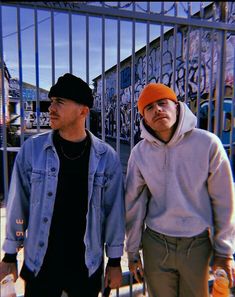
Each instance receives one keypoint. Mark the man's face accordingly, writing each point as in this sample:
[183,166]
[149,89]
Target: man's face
[161,116]
[64,113]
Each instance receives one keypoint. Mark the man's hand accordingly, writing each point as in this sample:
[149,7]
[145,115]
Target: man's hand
[8,268]
[228,265]
[136,269]
[113,277]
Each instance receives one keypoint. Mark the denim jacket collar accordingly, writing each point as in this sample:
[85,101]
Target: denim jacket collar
[96,143]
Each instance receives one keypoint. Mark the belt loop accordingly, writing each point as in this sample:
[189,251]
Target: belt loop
[167,250]
[190,246]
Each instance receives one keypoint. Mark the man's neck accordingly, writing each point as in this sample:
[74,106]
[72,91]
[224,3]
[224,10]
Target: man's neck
[165,136]
[74,136]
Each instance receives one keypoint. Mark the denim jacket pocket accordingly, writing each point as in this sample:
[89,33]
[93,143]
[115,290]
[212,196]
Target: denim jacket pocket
[37,181]
[98,189]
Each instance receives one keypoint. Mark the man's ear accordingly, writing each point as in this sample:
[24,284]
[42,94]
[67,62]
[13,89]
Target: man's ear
[85,110]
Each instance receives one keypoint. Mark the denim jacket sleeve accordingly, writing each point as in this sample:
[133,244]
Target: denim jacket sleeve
[17,210]
[114,211]
[106,208]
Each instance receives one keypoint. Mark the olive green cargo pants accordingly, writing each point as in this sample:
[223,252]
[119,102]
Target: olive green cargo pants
[176,266]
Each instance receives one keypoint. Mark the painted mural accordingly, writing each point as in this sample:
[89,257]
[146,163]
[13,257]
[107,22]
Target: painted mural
[207,71]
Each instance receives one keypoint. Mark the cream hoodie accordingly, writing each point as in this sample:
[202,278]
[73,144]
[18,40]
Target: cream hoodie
[180,188]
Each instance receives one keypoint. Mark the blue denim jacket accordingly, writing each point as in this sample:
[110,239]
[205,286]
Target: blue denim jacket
[32,195]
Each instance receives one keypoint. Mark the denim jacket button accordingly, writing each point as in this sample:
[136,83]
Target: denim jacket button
[53,169]
[41,244]
[49,194]
[45,219]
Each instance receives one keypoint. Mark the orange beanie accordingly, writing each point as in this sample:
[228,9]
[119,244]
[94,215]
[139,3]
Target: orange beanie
[154,92]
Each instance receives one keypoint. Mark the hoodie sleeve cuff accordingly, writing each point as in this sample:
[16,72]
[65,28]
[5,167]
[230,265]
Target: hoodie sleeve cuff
[133,257]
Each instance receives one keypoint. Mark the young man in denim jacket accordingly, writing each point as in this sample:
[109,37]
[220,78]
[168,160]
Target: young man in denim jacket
[66,203]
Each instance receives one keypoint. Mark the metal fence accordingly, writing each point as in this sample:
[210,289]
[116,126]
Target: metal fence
[117,47]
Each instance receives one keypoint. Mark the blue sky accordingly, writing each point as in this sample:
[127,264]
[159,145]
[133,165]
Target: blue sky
[10,44]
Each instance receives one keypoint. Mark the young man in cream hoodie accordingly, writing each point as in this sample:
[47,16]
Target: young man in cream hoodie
[180,202]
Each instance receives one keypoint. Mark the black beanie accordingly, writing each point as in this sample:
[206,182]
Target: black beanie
[74,88]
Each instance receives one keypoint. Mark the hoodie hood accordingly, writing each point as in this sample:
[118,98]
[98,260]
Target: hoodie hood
[186,122]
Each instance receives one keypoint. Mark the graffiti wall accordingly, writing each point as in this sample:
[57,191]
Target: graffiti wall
[201,61]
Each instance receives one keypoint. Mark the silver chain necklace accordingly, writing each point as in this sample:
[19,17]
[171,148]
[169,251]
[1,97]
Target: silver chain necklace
[75,157]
